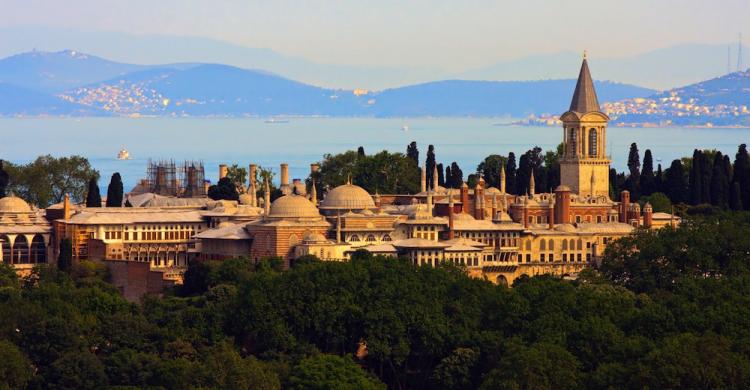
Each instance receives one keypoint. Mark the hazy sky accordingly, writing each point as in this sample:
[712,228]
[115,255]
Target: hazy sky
[451,34]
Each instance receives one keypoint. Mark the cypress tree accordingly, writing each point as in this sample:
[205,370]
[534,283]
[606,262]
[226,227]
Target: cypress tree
[93,197]
[523,174]
[742,175]
[659,180]
[4,181]
[647,180]
[448,178]
[674,182]
[430,164]
[457,175]
[441,178]
[115,191]
[735,199]
[719,186]
[65,257]
[510,174]
[695,183]
[412,152]
[634,166]
[706,172]
[614,191]
[360,151]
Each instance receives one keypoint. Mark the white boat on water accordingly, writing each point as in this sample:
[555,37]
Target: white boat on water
[274,120]
[405,128]
[123,154]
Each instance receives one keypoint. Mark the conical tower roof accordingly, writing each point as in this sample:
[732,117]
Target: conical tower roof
[584,97]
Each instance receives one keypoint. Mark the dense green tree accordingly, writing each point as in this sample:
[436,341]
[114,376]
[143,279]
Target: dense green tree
[361,151]
[413,152]
[77,370]
[225,189]
[675,184]
[457,370]
[331,372]
[47,179]
[540,366]
[647,179]
[456,176]
[93,198]
[4,180]
[16,370]
[489,169]
[660,202]
[224,368]
[634,167]
[238,176]
[742,174]
[384,172]
[115,191]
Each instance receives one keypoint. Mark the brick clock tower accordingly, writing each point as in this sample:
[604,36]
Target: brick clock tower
[585,164]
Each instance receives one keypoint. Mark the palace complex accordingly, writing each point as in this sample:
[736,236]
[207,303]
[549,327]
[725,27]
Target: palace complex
[493,234]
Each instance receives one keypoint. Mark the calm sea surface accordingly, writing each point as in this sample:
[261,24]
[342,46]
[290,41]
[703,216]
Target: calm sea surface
[302,141]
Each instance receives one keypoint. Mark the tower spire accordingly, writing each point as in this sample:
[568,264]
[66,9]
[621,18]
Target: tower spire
[584,97]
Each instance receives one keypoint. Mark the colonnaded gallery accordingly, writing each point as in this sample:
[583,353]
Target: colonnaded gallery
[493,234]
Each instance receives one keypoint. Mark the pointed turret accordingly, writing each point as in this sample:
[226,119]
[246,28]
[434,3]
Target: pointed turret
[584,97]
[434,178]
[532,184]
[314,194]
[502,178]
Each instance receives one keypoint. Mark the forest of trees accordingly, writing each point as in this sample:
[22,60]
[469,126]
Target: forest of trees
[681,322]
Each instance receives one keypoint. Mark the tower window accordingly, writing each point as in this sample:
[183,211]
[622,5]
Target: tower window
[592,143]
[573,149]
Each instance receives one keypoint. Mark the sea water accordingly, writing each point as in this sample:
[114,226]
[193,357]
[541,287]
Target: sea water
[302,141]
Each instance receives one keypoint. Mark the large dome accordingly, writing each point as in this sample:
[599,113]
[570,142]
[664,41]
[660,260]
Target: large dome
[347,197]
[293,206]
[12,204]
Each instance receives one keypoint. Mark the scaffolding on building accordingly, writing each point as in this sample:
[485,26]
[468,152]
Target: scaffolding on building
[192,178]
[162,178]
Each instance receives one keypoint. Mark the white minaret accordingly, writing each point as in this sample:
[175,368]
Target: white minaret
[423,182]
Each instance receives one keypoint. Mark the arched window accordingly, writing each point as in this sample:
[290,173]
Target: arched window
[592,143]
[38,250]
[543,245]
[551,245]
[528,245]
[580,244]
[386,238]
[5,243]
[354,238]
[572,142]
[572,245]
[21,250]
[565,245]
[370,238]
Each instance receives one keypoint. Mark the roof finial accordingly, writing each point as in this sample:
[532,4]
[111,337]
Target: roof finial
[349,178]
[585,54]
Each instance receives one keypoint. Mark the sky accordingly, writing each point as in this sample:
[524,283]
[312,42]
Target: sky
[454,35]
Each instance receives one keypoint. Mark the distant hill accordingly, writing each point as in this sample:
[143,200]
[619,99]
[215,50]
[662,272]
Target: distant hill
[55,72]
[662,69]
[721,101]
[491,98]
[219,90]
[18,101]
